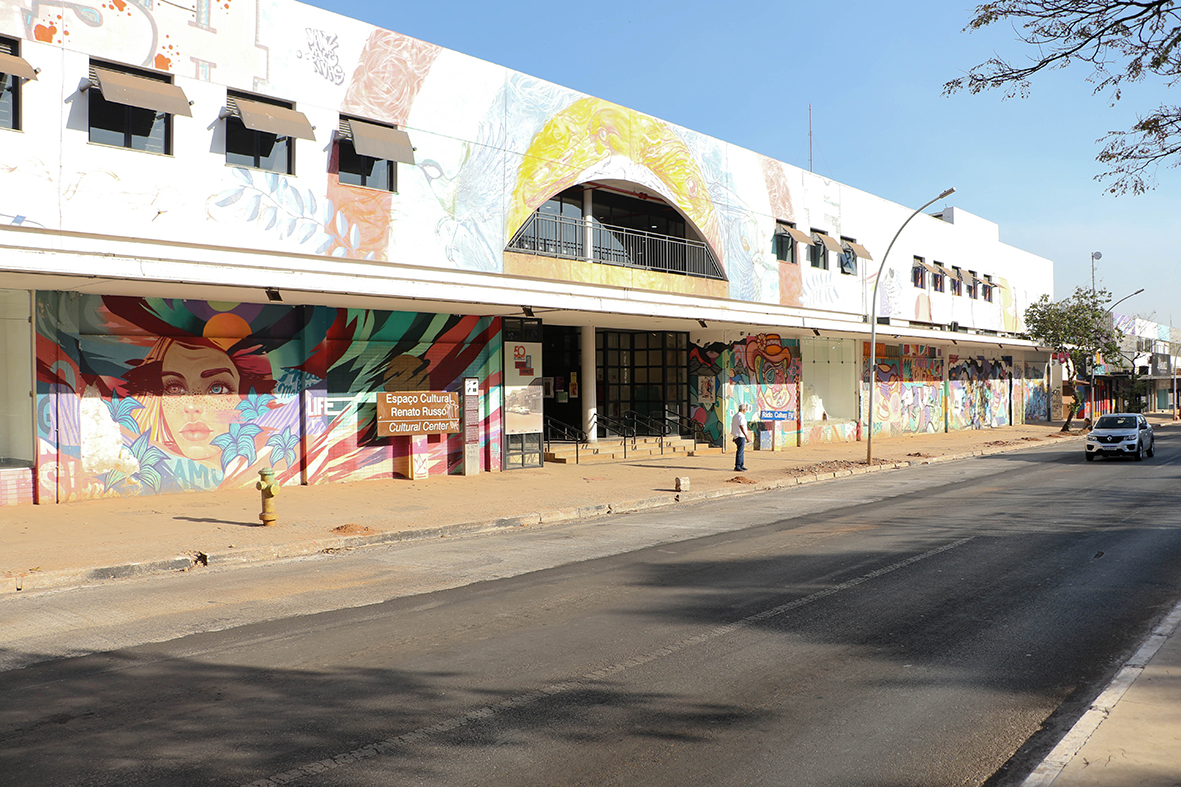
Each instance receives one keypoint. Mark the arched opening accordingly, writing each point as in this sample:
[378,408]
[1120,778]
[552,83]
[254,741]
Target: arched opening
[617,223]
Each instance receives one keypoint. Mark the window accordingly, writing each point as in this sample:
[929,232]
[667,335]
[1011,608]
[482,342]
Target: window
[956,284]
[13,71]
[783,244]
[918,274]
[847,258]
[937,282]
[133,108]
[368,154]
[261,132]
[972,291]
[822,244]
[986,288]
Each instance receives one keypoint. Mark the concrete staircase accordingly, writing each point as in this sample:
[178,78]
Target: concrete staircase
[610,449]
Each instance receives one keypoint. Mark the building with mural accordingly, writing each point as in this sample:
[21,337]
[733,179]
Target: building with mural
[225,229]
[1142,377]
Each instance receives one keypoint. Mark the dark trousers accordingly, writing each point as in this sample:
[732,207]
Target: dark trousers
[739,453]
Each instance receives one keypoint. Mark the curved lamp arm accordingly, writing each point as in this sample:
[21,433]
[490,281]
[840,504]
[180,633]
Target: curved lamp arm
[873,322]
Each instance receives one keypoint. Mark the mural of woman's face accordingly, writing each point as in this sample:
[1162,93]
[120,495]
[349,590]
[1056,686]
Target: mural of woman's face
[200,397]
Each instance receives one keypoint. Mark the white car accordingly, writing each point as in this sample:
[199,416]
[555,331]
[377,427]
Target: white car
[1121,434]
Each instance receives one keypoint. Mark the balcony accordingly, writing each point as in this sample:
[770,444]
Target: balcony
[559,236]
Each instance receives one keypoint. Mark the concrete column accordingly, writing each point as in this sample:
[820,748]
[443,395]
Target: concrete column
[588,232]
[589,390]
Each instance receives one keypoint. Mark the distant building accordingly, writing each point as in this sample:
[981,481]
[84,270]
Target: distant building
[226,228]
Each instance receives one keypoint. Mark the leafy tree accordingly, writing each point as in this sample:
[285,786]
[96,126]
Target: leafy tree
[1078,327]
[1121,41]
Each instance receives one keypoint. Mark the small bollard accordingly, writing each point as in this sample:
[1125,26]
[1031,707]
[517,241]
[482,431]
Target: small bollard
[682,483]
[269,489]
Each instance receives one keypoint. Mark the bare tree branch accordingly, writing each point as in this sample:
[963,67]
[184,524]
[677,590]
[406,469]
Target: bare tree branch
[1121,41]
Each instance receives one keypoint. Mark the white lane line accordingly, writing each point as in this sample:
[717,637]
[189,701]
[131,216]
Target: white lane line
[1056,761]
[395,743]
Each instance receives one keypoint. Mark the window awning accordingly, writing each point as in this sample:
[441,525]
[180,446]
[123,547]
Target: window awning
[136,91]
[829,243]
[931,267]
[802,237]
[383,142]
[17,66]
[943,271]
[859,250]
[271,118]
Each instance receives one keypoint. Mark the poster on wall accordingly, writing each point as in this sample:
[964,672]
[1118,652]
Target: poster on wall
[522,388]
[706,396]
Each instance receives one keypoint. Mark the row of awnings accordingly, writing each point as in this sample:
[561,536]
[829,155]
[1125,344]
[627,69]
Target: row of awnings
[959,274]
[369,139]
[829,242]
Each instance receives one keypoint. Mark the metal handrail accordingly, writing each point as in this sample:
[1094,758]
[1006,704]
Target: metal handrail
[564,431]
[619,425]
[658,426]
[561,236]
[694,425]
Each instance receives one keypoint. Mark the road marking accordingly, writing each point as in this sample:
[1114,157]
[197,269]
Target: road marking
[1068,748]
[395,743]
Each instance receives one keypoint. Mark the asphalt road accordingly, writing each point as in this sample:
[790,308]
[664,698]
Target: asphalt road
[913,628]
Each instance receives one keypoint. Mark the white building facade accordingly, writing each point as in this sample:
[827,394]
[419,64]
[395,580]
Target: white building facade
[225,230]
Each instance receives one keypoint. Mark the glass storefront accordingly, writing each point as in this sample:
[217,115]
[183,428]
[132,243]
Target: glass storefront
[830,375]
[642,372]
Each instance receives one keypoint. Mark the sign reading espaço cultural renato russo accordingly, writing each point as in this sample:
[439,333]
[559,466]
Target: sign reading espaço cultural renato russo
[417,413]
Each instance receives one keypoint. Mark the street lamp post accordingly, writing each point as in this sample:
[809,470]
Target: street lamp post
[873,323]
[1095,255]
[1107,311]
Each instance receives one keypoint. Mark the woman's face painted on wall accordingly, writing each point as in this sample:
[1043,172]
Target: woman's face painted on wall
[200,390]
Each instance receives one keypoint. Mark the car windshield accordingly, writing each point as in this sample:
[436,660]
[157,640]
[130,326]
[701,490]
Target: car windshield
[1116,422]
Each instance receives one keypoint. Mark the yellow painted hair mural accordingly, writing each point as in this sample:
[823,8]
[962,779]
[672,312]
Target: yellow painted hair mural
[590,131]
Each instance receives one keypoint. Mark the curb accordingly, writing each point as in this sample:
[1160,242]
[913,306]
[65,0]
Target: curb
[67,578]
[1077,737]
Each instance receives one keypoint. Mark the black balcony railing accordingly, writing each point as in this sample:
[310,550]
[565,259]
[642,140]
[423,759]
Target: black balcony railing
[559,236]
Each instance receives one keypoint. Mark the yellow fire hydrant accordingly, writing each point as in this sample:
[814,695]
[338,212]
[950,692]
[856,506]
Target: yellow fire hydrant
[269,489]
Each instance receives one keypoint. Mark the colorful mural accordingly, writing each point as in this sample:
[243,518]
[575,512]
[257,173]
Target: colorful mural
[1036,393]
[490,146]
[144,396]
[909,398]
[979,393]
[761,371]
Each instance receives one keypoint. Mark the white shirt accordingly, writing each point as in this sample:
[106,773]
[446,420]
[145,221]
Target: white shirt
[738,426]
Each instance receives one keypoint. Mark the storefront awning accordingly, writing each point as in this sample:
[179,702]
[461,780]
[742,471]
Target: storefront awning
[859,250]
[271,118]
[829,243]
[376,141]
[802,237]
[17,66]
[120,87]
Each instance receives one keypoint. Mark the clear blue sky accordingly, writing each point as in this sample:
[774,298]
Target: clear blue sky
[746,72]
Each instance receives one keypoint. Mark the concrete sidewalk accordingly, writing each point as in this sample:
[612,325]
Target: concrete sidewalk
[1131,736]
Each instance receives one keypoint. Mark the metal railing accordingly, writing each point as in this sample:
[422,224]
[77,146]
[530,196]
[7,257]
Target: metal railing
[652,426]
[694,426]
[565,432]
[604,425]
[560,236]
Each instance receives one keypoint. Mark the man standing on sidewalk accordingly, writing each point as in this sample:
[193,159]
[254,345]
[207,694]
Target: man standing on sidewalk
[741,434]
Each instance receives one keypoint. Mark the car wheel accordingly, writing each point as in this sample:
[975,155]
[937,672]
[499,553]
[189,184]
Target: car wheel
[1090,457]
[1139,452]
[1152,449]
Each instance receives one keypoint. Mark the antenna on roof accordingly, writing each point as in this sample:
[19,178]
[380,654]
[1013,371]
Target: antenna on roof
[810,137]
